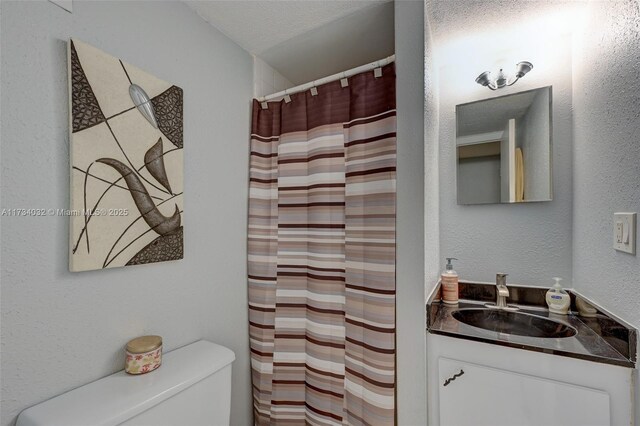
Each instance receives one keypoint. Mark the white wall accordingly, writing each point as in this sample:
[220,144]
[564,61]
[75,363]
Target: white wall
[431,163]
[530,242]
[410,312]
[267,80]
[61,330]
[607,156]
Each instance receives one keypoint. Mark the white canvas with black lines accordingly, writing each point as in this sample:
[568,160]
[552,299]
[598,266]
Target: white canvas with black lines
[126,163]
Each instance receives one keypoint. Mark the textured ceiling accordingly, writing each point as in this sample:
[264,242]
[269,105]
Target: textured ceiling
[451,19]
[259,25]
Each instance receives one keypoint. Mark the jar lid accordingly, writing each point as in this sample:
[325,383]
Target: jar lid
[144,344]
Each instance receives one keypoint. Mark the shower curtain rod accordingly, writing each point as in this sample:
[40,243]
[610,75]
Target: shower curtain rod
[334,77]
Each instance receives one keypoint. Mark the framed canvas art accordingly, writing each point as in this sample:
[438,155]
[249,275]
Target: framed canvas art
[126,163]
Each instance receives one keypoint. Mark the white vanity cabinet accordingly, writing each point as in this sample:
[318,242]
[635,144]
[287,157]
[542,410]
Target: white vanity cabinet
[503,386]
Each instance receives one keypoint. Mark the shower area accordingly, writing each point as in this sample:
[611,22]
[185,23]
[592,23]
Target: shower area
[321,233]
[321,251]
[323,263]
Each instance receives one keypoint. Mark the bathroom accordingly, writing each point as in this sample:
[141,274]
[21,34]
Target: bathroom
[61,330]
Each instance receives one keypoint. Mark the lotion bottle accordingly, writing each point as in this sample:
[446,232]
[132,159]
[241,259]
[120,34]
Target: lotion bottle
[449,283]
[558,300]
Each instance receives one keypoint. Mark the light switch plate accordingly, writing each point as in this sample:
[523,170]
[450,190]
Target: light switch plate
[624,232]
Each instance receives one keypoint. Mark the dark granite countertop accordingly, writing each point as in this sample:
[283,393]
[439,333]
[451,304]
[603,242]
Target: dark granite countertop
[602,338]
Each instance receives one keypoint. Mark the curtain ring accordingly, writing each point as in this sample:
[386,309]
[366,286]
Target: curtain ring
[344,81]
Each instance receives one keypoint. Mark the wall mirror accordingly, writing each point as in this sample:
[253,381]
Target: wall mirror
[504,149]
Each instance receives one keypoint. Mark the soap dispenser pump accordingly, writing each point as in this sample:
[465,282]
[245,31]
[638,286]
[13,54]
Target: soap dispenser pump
[558,299]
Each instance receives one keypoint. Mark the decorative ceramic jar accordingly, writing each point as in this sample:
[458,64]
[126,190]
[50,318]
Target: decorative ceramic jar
[144,354]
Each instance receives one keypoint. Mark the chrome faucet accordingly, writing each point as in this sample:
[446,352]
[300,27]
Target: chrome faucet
[502,291]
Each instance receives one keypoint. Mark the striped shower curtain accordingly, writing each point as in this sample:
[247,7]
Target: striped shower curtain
[321,260]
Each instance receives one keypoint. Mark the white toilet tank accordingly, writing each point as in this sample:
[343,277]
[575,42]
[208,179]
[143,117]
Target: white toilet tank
[192,387]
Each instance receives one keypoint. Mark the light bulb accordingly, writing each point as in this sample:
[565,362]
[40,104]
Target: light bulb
[501,80]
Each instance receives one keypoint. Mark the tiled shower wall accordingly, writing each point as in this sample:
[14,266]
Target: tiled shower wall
[267,80]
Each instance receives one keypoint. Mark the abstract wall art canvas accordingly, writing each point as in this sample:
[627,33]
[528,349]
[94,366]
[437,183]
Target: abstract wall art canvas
[126,163]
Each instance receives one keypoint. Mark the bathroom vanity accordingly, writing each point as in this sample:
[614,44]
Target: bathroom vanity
[526,366]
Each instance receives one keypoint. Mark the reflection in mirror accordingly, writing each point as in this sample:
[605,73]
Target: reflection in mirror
[504,149]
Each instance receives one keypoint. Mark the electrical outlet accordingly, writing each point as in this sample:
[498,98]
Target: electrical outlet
[624,232]
[619,229]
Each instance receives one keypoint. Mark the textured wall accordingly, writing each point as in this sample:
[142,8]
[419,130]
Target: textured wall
[531,242]
[410,314]
[61,330]
[607,156]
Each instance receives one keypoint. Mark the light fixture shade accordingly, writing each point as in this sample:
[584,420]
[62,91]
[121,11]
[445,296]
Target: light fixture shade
[522,68]
[503,80]
[483,79]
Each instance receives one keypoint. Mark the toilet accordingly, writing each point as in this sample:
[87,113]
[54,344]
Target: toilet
[192,387]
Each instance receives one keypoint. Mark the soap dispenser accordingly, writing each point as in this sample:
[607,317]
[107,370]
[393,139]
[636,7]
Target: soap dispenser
[449,283]
[558,299]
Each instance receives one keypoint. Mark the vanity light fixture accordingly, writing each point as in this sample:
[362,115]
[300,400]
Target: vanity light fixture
[502,80]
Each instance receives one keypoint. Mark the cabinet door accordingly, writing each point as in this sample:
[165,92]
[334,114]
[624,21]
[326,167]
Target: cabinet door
[487,396]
